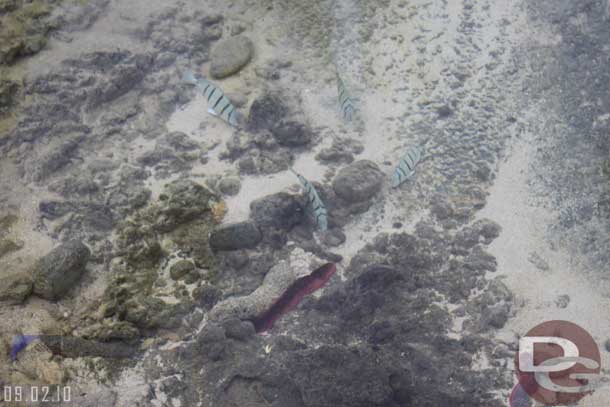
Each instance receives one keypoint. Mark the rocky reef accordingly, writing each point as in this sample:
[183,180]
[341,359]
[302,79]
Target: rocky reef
[138,284]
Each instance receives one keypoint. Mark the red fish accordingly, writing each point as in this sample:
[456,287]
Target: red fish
[293,296]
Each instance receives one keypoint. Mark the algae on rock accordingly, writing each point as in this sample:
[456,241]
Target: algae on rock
[180,221]
[23,28]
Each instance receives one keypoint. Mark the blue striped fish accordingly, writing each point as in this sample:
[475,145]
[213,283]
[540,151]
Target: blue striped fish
[346,103]
[219,104]
[313,199]
[406,167]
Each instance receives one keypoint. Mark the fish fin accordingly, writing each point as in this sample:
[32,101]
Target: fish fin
[189,77]
[212,112]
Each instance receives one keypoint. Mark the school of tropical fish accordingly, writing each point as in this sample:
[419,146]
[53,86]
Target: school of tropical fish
[220,106]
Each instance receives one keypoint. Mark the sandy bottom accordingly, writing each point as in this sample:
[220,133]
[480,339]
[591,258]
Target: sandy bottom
[520,247]
[388,106]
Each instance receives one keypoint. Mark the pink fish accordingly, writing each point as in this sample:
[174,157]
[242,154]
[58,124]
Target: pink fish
[293,296]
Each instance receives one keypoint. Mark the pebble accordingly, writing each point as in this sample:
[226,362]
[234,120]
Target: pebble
[230,56]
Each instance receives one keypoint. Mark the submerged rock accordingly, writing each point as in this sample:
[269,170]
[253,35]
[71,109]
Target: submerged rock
[359,181]
[57,272]
[15,288]
[23,28]
[212,342]
[229,185]
[181,269]
[184,200]
[235,236]
[292,134]
[281,211]
[230,55]
[266,112]
[341,152]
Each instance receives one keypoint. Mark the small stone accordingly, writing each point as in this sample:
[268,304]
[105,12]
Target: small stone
[230,55]
[192,277]
[444,111]
[229,185]
[207,296]
[181,269]
[607,345]
[460,311]
[236,236]
[334,238]
[292,134]
[562,301]
[359,181]
[57,272]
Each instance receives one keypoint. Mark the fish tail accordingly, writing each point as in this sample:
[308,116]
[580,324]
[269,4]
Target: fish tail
[237,119]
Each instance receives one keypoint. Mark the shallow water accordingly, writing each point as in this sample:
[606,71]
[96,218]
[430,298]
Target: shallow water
[195,228]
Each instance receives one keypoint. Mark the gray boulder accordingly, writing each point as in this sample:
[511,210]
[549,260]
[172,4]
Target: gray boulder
[57,272]
[235,236]
[230,55]
[359,181]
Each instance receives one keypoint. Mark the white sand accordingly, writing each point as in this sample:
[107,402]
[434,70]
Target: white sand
[524,222]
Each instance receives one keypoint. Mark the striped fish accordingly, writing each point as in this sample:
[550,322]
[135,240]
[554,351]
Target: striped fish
[345,101]
[406,167]
[317,206]
[219,104]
